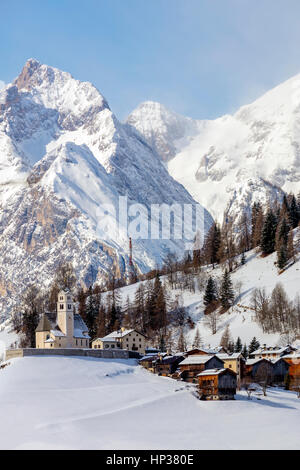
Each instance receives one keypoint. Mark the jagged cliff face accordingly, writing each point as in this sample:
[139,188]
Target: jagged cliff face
[228,163]
[63,155]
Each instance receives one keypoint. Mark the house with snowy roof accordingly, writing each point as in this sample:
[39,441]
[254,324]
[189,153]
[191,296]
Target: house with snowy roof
[271,352]
[217,384]
[69,329]
[235,362]
[131,340]
[193,365]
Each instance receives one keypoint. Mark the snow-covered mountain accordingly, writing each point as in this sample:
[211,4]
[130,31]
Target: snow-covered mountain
[63,156]
[251,155]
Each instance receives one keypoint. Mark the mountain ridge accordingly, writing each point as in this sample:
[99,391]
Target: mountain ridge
[260,142]
[63,157]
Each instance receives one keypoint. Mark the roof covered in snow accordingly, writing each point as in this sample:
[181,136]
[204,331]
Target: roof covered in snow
[201,359]
[119,334]
[212,372]
[224,357]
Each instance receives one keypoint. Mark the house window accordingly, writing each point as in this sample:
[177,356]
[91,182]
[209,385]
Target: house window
[81,342]
[76,342]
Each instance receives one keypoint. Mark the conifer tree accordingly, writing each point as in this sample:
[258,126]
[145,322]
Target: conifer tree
[212,245]
[268,233]
[243,259]
[293,212]
[226,291]
[101,322]
[91,314]
[253,346]
[245,351]
[210,294]
[162,344]
[282,257]
[282,233]
[238,345]
[290,246]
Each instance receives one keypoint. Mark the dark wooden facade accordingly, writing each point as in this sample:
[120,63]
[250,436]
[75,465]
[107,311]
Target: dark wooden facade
[148,362]
[294,369]
[189,372]
[217,385]
[167,366]
[280,370]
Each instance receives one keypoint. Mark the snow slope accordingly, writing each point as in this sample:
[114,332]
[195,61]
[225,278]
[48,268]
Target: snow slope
[215,159]
[258,272]
[64,157]
[84,403]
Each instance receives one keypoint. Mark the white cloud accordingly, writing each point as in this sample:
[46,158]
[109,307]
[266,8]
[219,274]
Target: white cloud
[2,84]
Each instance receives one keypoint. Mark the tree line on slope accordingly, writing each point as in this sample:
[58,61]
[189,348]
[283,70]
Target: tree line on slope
[152,311]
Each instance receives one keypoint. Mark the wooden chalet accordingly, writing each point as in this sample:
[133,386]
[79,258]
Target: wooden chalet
[148,362]
[206,352]
[271,352]
[168,365]
[253,366]
[217,384]
[195,364]
[294,368]
[235,362]
[280,370]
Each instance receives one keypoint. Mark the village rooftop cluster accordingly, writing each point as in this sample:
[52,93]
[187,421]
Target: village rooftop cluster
[216,373]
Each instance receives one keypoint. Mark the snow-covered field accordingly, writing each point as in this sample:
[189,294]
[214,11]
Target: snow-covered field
[85,403]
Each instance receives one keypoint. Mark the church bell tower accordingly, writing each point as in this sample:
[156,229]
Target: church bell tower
[65,317]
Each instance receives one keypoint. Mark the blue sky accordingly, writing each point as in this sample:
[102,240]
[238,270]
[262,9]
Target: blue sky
[202,58]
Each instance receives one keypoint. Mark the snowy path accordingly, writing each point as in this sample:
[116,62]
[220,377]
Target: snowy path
[85,403]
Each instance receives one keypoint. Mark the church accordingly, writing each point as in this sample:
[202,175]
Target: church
[69,330]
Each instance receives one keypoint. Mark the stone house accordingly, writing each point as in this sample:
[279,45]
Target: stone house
[131,340]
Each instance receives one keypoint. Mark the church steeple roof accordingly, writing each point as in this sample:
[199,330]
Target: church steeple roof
[44,324]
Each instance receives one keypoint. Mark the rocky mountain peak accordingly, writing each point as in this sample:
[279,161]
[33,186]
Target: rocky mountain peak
[24,79]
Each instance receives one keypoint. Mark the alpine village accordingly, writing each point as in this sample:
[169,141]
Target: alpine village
[153,326]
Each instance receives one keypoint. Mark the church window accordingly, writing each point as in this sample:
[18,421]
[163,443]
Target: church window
[69,306]
[61,306]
